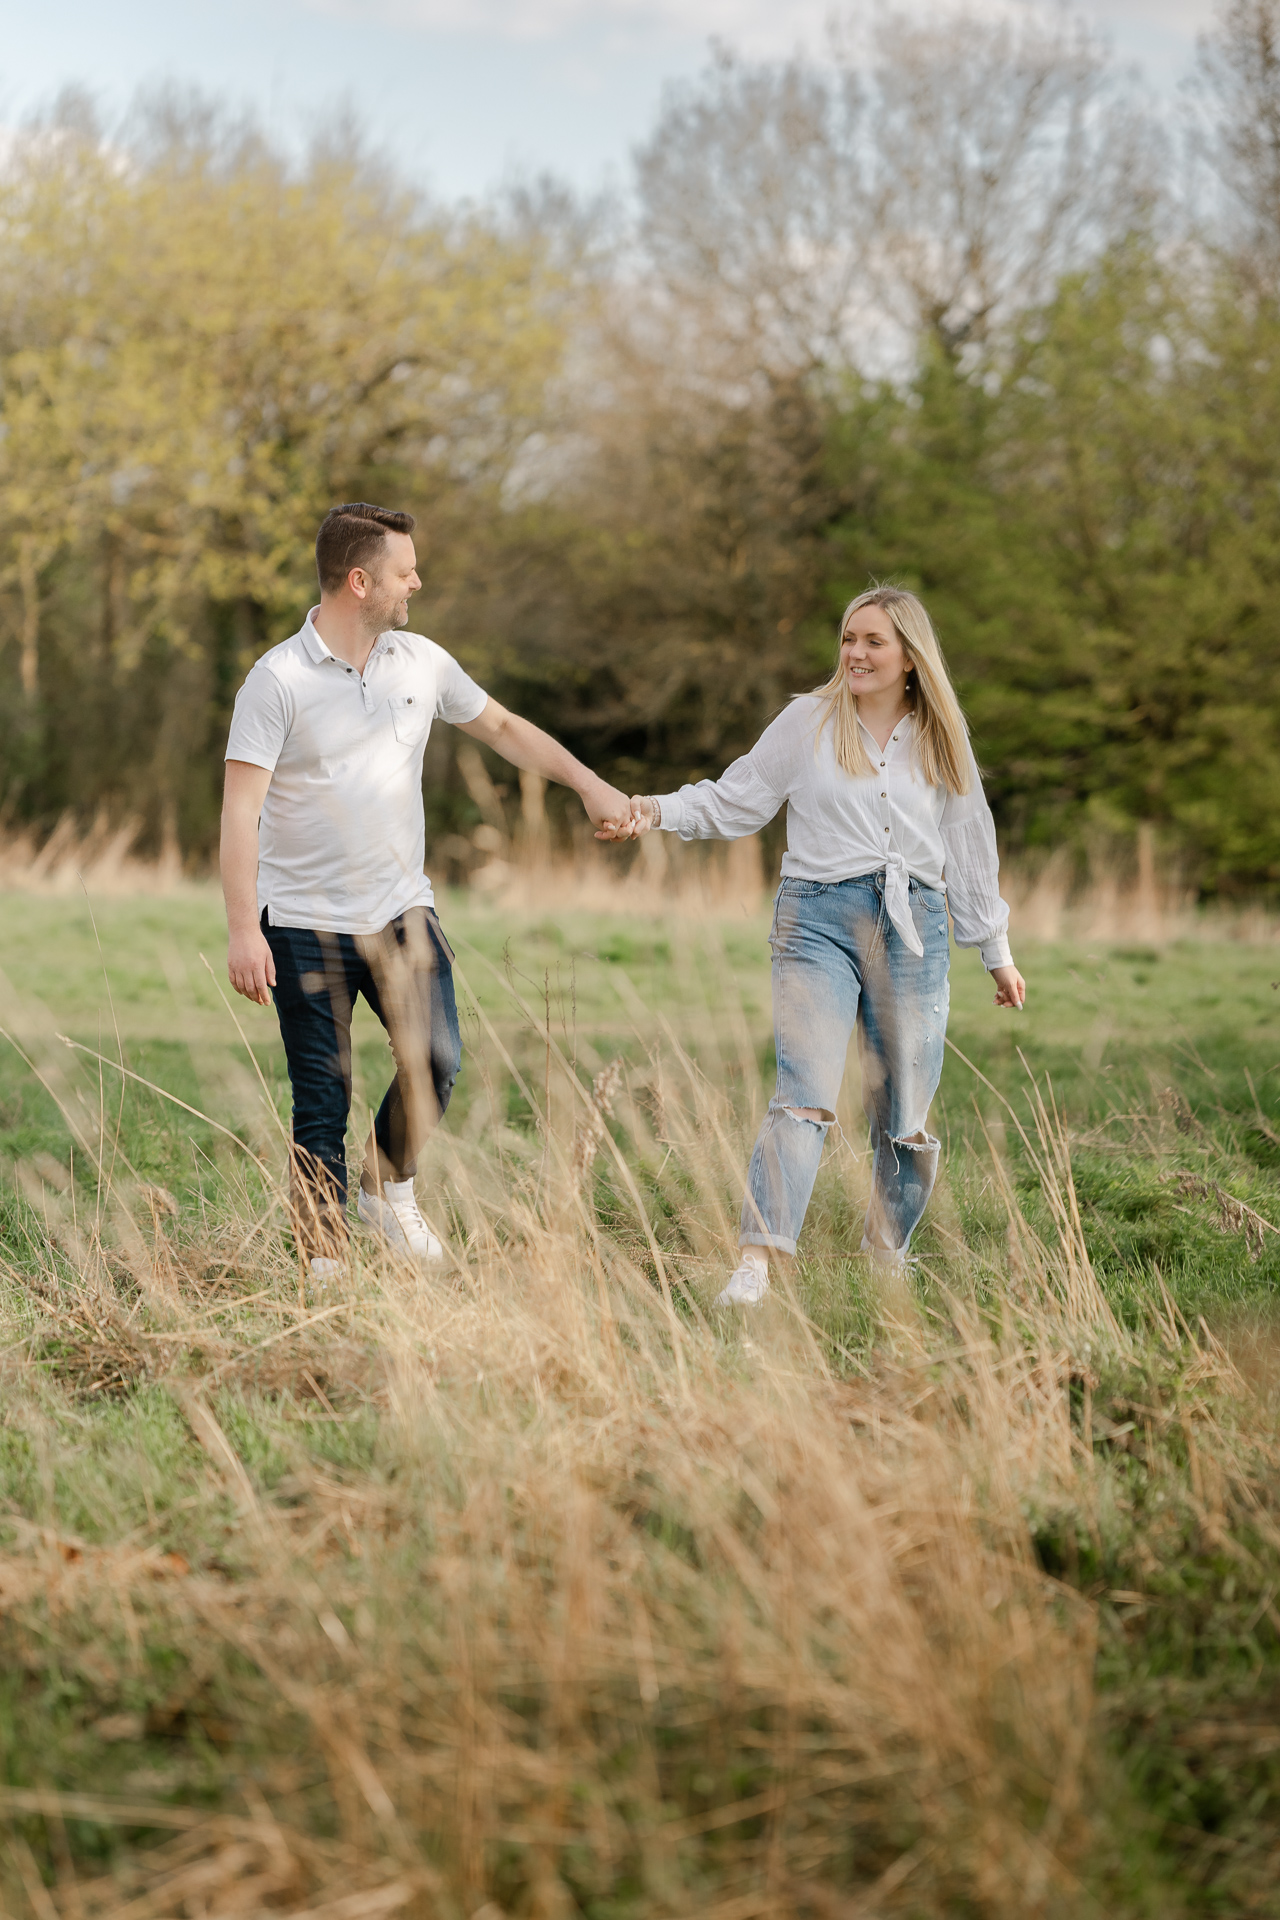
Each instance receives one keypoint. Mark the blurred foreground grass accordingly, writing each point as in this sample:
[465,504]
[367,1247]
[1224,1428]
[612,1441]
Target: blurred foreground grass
[541,1588]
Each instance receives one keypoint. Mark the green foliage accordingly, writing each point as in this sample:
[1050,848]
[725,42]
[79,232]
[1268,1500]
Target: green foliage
[1095,524]
[201,348]
[200,351]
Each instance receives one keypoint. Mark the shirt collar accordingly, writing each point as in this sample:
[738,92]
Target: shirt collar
[318,651]
[311,640]
[907,720]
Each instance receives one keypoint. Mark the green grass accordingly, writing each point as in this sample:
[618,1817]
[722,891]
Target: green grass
[1157,1056]
[1163,1062]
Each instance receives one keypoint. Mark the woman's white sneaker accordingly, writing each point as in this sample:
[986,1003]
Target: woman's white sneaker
[395,1215]
[748,1284]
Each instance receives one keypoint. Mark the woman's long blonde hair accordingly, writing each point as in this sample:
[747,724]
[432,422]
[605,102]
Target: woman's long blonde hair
[942,739]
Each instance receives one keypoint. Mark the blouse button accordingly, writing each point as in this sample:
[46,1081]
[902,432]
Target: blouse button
[883,795]
[881,763]
[886,829]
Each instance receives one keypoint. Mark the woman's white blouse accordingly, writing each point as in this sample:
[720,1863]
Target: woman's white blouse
[840,827]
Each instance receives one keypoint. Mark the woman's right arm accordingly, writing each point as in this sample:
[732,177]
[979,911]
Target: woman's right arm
[744,798]
[979,916]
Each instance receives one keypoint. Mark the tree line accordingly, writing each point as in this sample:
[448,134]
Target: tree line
[951,304]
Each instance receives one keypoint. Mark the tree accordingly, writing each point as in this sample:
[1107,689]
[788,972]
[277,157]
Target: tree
[200,350]
[1237,85]
[757,214]
[1099,540]
[1005,156]
[824,216]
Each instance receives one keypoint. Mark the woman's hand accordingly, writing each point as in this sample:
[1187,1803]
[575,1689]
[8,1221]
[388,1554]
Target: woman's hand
[608,810]
[1011,988]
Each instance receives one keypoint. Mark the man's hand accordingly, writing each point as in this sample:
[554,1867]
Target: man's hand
[640,820]
[608,810]
[1011,988]
[250,965]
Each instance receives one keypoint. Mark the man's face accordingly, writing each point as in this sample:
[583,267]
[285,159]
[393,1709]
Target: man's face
[387,591]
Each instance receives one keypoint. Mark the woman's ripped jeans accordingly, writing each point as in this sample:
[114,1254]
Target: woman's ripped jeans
[839,963]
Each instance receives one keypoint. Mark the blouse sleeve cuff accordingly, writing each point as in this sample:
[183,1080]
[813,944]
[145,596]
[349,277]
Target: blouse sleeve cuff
[995,953]
[672,812]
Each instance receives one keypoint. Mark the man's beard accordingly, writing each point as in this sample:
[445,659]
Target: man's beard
[384,613]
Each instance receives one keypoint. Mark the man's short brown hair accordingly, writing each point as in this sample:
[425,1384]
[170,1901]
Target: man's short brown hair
[352,536]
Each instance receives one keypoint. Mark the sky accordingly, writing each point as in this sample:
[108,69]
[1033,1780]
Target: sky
[464,94]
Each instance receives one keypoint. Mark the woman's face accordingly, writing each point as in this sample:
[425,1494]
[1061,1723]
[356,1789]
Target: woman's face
[871,653]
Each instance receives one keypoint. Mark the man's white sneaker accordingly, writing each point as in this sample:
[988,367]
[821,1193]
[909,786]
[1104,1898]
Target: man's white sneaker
[396,1217]
[748,1285]
[322,1270]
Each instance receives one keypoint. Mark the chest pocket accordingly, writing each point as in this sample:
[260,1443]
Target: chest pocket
[410,716]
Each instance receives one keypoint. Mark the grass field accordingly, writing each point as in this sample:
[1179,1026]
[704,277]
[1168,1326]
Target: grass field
[542,1588]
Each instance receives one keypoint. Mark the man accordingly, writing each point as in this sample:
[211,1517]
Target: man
[327,897]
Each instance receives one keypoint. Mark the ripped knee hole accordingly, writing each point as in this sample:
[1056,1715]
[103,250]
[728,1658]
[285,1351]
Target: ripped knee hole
[918,1142]
[816,1116]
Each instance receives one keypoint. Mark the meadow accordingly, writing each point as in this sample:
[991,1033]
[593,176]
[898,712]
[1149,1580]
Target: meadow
[540,1587]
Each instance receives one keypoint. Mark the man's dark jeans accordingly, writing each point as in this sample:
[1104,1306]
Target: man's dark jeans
[406,975]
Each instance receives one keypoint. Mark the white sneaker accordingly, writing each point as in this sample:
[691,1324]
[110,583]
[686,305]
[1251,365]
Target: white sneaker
[887,1260]
[323,1270]
[396,1217]
[748,1285]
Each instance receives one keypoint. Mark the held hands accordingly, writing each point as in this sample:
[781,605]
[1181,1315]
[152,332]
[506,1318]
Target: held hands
[641,818]
[608,810]
[1011,988]
[251,967]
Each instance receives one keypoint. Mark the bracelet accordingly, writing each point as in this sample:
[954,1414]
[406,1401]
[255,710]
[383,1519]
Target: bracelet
[656,804]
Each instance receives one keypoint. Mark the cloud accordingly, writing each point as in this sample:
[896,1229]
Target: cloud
[755,26]
[742,21]
[1186,17]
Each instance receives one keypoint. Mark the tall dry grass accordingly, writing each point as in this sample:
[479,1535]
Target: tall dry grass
[1120,892]
[538,1587]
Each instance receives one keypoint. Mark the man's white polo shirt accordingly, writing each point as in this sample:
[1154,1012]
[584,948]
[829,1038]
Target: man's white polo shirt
[342,840]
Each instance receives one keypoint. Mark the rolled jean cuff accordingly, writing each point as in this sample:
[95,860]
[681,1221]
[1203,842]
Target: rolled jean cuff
[774,1241]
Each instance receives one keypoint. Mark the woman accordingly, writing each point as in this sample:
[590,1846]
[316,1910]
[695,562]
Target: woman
[887,825]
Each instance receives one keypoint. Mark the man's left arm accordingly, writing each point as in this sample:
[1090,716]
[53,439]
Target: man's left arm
[527,746]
